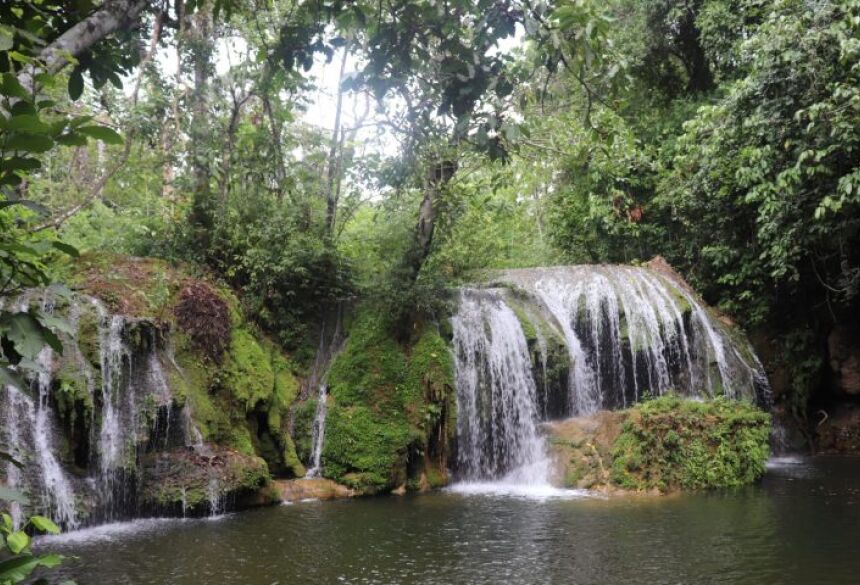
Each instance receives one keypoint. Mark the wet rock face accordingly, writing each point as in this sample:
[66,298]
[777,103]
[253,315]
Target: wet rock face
[844,353]
[297,490]
[626,333]
[197,481]
[838,429]
[581,450]
[133,399]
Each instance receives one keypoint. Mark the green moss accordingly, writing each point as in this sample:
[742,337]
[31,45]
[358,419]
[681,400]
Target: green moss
[138,287]
[171,479]
[254,377]
[247,370]
[384,400]
[371,368]
[670,443]
[681,301]
[303,418]
[436,478]
[366,450]
[290,457]
[88,338]
[526,324]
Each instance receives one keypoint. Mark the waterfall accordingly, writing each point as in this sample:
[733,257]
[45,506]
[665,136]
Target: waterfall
[129,412]
[318,433]
[13,404]
[628,333]
[631,333]
[331,342]
[59,497]
[114,440]
[497,422]
[215,497]
[29,435]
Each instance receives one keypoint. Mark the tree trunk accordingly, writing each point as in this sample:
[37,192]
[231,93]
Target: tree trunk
[202,215]
[334,148]
[227,155]
[170,129]
[275,129]
[438,177]
[114,15]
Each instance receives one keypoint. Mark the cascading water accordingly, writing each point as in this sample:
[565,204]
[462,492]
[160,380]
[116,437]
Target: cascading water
[123,411]
[497,422]
[627,333]
[331,341]
[58,495]
[630,333]
[29,435]
[318,433]
[13,404]
[113,440]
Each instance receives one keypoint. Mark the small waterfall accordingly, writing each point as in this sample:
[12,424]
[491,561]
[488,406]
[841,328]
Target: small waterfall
[14,405]
[30,430]
[331,342]
[112,369]
[116,435]
[29,436]
[215,496]
[59,497]
[497,422]
[318,433]
[629,333]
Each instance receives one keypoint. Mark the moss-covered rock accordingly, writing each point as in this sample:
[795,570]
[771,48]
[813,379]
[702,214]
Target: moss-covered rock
[191,482]
[387,404]
[238,397]
[664,444]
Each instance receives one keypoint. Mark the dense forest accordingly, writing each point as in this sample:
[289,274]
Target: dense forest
[721,135]
[310,156]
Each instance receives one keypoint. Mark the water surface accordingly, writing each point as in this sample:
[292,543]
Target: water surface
[801,525]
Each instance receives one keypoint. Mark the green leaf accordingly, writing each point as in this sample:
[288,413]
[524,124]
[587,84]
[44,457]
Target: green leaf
[10,377]
[76,84]
[20,163]
[31,205]
[72,139]
[103,133]
[11,87]
[17,541]
[56,323]
[29,143]
[28,335]
[44,524]
[66,248]
[17,569]
[7,40]
[29,123]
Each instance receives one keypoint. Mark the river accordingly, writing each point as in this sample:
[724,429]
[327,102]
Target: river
[800,525]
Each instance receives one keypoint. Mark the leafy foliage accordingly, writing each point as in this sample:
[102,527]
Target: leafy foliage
[17,561]
[669,443]
[204,316]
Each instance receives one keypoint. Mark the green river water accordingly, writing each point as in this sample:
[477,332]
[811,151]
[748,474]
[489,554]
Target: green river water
[800,525]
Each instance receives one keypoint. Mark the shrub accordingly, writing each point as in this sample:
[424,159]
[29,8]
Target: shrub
[205,317]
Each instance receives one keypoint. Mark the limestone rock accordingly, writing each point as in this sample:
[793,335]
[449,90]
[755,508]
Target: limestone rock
[296,490]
